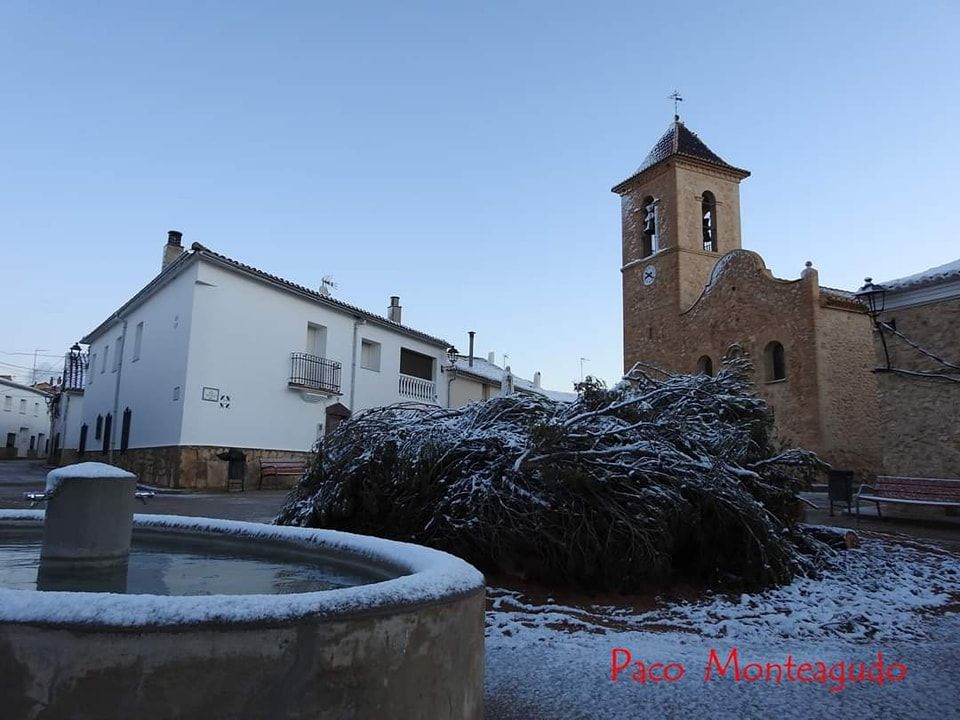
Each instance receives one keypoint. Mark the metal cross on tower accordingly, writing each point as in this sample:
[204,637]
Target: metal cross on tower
[676,103]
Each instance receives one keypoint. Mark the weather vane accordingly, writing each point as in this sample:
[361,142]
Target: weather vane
[676,103]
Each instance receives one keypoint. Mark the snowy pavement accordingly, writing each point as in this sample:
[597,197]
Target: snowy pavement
[548,660]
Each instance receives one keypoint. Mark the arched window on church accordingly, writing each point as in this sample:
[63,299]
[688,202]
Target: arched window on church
[776,368]
[705,365]
[708,207]
[650,240]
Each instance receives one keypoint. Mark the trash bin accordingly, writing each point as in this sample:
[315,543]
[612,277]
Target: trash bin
[840,488]
[236,469]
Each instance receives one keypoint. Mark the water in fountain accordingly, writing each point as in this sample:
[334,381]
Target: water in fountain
[158,567]
[86,546]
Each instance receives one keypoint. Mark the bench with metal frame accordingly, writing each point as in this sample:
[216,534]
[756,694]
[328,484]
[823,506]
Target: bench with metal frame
[934,492]
[280,468]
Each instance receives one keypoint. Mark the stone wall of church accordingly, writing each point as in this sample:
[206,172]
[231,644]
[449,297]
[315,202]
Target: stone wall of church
[921,418]
[828,388]
[660,185]
[746,307]
[848,391]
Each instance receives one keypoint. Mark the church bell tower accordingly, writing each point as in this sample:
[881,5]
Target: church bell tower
[680,214]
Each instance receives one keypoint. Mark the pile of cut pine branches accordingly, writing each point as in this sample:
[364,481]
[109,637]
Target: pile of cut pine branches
[657,480]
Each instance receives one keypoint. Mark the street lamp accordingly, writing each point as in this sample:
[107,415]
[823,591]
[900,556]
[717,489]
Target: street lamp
[74,370]
[452,355]
[874,297]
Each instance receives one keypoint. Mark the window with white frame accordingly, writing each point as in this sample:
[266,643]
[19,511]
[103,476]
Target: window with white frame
[370,355]
[8,402]
[137,341]
[36,409]
[23,407]
[106,356]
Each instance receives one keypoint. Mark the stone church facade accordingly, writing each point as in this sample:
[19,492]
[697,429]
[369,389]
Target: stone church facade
[692,297]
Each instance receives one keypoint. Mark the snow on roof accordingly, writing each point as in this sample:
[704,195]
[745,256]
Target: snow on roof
[425,575]
[492,372]
[948,271]
[198,251]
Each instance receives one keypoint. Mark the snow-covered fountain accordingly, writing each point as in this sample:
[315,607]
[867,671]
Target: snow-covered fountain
[104,614]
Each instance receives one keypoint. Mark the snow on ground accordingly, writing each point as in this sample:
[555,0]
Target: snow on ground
[550,660]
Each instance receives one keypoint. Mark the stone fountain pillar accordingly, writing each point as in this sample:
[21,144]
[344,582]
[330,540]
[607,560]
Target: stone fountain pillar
[87,528]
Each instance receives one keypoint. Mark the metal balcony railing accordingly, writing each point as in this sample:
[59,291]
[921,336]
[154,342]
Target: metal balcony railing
[418,388]
[315,373]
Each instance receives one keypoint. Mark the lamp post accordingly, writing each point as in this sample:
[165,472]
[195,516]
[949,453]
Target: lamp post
[74,374]
[452,355]
[874,297]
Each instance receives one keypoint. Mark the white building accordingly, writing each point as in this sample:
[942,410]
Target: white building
[24,420]
[213,353]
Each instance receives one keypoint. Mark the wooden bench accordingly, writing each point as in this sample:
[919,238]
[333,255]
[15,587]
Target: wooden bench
[280,468]
[936,492]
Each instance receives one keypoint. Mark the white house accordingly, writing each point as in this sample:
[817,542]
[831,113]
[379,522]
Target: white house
[24,420]
[213,353]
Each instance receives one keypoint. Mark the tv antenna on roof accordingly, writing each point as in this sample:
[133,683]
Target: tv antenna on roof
[327,284]
[676,103]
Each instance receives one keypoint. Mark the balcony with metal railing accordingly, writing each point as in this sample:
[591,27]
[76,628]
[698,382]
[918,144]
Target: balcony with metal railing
[311,372]
[416,388]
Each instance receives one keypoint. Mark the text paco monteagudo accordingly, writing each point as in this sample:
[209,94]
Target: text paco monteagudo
[730,667]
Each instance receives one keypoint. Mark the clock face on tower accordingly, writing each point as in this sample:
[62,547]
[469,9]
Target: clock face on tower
[649,275]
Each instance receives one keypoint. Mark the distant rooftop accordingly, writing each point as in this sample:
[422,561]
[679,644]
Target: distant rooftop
[948,271]
[487,370]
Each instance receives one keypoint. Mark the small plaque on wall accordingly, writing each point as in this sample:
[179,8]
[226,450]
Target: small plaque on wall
[211,394]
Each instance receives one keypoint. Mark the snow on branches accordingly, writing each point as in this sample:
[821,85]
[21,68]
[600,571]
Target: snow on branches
[647,483]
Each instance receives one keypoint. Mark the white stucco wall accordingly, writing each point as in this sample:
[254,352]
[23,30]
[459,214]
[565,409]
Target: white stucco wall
[69,421]
[147,385]
[211,327]
[242,335]
[33,422]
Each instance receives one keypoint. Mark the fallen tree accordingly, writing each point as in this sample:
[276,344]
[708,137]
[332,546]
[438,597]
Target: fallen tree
[656,480]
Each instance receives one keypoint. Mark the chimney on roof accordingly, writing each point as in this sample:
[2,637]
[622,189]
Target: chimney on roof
[471,333]
[393,312]
[536,379]
[173,248]
[492,358]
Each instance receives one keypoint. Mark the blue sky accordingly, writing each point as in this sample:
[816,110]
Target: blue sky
[458,155]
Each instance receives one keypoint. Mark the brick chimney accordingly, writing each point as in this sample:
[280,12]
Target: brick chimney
[536,379]
[393,312]
[173,248]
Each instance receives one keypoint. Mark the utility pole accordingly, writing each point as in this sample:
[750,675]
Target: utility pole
[582,361]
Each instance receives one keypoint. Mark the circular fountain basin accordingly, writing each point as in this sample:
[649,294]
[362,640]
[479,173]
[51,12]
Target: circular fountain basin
[399,635]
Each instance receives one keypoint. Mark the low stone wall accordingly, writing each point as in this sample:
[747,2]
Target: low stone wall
[195,467]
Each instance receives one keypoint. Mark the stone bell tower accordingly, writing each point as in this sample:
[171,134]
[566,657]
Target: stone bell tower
[680,215]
